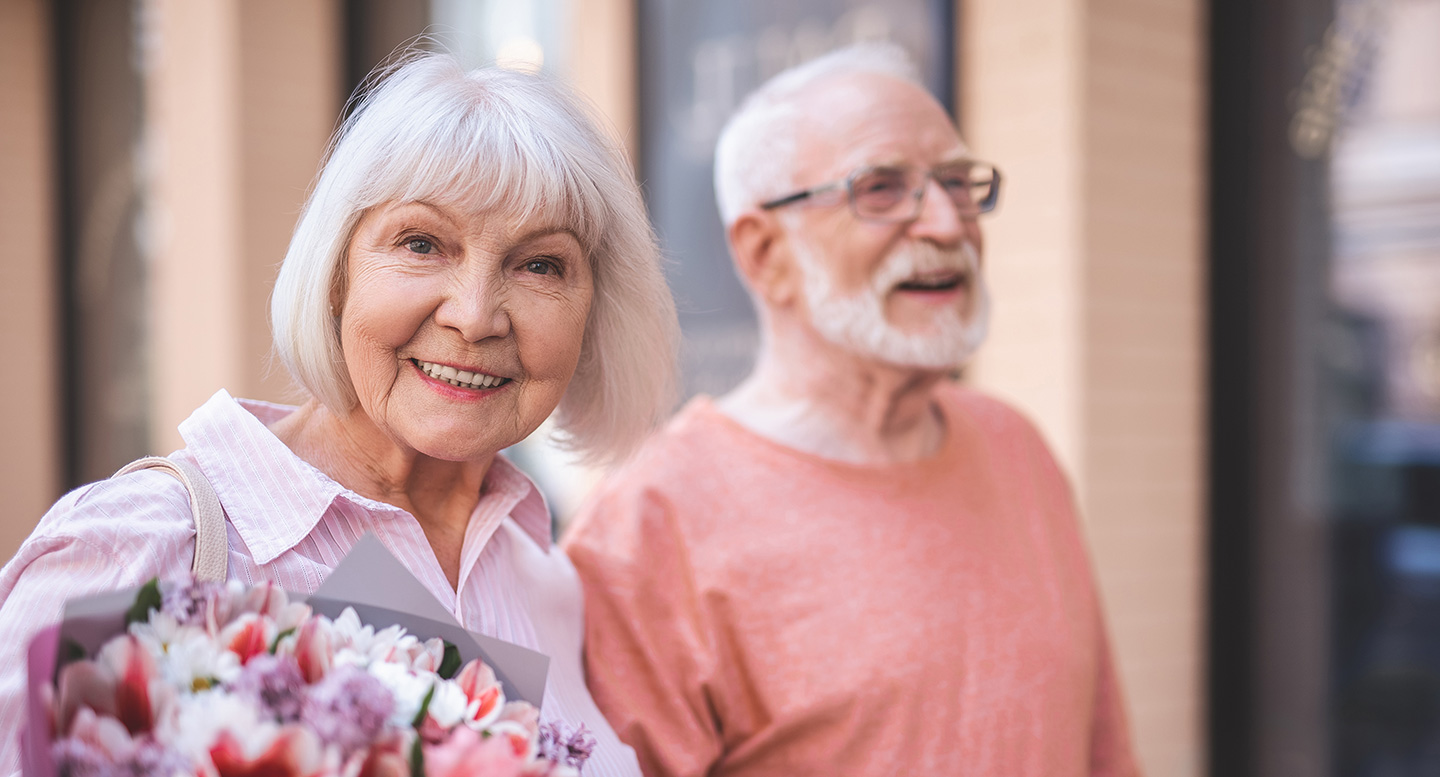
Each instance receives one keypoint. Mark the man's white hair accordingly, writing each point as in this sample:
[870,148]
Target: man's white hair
[755,155]
[486,140]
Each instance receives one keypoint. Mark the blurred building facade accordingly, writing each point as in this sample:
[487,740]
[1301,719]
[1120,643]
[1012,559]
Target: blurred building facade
[1216,270]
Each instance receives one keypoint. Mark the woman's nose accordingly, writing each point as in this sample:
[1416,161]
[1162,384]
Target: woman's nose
[475,306]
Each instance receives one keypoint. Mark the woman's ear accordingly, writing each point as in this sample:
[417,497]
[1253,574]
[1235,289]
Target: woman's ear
[763,255]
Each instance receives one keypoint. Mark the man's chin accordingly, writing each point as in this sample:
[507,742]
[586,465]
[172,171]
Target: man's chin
[943,345]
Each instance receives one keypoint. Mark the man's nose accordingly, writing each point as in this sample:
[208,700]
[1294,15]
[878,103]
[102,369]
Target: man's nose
[939,221]
[475,305]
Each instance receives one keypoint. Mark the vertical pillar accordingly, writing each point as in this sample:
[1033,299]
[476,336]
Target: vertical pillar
[1094,111]
[241,98]
[603,64]
[29,410]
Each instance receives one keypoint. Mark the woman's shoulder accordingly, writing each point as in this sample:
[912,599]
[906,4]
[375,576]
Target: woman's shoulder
[148,506]
[107,535]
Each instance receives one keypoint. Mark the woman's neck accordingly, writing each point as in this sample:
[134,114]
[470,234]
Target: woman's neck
[361,457]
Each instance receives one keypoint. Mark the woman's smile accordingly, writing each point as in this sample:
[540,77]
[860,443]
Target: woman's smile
[459,377]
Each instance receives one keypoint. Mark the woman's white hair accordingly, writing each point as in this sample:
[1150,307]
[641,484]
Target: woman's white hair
[754,157]
[491,139]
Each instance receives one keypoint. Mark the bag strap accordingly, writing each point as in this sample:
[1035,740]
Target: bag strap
[211,544]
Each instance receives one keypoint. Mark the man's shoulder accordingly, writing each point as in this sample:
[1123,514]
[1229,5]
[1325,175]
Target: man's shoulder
[988,413]
[695,441]
[1004,431]
[666,475]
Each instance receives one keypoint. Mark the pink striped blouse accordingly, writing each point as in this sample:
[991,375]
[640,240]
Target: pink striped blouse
[291,524]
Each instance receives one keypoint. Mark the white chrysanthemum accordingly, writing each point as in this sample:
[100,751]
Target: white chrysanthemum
[194,662]
[363,638]
[449,705]
[203,716]
[406,686]
[350,657]
[161,631]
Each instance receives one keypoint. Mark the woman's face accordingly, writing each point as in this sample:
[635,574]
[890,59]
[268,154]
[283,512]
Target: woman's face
[460,331]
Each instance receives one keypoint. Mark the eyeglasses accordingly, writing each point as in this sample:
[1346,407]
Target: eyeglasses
[895,193]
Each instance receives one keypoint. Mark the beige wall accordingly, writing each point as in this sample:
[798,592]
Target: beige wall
[1093,110]
[603,62]
[242,97]
[29,459]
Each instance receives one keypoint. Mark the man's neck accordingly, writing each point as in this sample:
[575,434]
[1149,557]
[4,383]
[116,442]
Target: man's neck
[820,399]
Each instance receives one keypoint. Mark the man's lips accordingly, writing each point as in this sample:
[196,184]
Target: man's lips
[937,282]
[459,378]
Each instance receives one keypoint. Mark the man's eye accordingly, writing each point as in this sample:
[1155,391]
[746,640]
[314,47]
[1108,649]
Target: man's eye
[880,184]
[420,245]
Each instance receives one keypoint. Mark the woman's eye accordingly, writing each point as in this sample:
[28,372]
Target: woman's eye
[541,267]
[420,245]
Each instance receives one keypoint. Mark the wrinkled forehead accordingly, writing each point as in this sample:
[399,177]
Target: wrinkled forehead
[859,120]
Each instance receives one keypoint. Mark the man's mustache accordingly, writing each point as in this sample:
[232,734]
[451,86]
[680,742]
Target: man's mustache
[914,260]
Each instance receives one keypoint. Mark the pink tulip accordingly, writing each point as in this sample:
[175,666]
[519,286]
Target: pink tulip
[483,691]
[523,713]
[122,682]
[247,636]
[294,752]
[386,758]
[314,649]
[467,753]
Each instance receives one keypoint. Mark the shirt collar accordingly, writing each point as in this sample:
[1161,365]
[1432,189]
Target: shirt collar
[274,498]
[530,510]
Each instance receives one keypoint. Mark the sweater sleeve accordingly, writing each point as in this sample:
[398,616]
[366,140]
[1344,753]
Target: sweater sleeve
[1110,751]
[648,656]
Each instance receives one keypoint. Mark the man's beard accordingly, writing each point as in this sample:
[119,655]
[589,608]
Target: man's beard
[858,323]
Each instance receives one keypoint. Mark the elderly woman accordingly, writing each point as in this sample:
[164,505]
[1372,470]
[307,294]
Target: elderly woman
[474,257]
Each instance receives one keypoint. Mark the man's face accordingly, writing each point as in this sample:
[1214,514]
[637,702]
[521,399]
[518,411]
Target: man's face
[908,293]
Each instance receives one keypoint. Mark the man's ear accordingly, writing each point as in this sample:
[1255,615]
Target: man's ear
[764,257]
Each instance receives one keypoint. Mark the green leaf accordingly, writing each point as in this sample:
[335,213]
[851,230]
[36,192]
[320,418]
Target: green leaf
[417,759]
[424,708]
[275,645]
[147,599]
[69,652]
[450,664]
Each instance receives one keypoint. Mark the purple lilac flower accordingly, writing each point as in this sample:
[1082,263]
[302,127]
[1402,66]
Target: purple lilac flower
[274,683]
[76,758]
[348,708]
[571,749]
[152,759]
[186,601]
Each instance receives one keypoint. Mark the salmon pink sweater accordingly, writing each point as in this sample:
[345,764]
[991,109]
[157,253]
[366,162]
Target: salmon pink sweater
[754,610]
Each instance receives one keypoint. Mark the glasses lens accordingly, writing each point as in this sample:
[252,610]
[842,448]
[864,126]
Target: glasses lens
[882,192]
[969,185]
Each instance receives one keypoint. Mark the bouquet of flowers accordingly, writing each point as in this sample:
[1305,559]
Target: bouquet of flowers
[218,680]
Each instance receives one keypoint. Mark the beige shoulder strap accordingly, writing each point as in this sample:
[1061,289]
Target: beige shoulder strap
[211,544]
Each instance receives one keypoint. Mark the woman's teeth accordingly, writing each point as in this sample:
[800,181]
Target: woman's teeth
[459,378]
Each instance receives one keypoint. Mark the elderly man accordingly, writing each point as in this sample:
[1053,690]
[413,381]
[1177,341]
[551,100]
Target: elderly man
[850,565]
